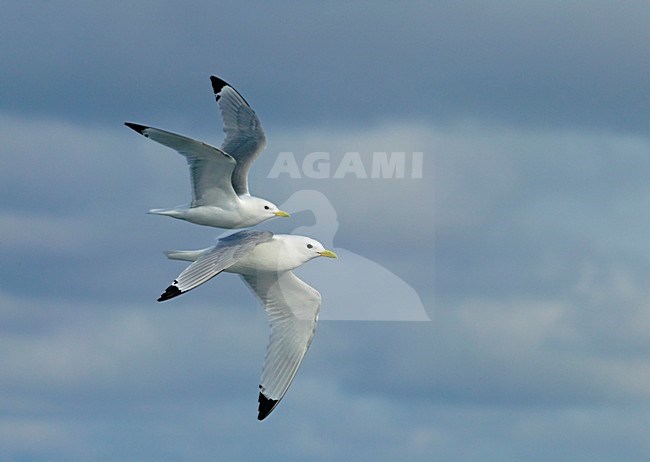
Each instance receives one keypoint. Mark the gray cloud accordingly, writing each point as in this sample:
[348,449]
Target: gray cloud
[525,239]
[523,316]
[560,65]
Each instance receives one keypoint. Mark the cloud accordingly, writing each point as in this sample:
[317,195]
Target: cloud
[536,234]
[528,65]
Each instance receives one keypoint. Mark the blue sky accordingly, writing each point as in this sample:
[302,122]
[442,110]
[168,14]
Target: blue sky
[525,241]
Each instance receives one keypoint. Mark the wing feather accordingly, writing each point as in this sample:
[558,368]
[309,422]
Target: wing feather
[228,251]
[210,168]
[244,135]
[292,308]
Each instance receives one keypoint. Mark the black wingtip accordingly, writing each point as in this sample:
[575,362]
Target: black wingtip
[217,84]
[137,127]
[266,406]
[171,292]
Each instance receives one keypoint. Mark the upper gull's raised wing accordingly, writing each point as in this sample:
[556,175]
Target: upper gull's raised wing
[244,135]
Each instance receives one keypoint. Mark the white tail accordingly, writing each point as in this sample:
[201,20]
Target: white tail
[187,255]
[168,212]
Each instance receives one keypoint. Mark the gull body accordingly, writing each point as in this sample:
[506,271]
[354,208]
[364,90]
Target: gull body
[240,212]
[265,262]
[219,176]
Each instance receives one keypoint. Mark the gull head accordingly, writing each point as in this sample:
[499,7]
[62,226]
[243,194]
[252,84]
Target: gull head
[259,210]
[301,249]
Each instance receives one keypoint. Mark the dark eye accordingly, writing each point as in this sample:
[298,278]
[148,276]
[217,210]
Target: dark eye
[266,207]
[309,246]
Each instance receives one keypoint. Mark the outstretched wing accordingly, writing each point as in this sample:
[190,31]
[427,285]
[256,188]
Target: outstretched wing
[292,308]
[227,252]
[210,168]
[244,135]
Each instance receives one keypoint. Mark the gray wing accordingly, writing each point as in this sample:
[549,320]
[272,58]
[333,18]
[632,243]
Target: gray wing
[210,168]
[227,252]
[292,308]
[244,135]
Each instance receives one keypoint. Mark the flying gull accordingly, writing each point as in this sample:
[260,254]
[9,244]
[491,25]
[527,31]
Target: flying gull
[219,176]
[264,261]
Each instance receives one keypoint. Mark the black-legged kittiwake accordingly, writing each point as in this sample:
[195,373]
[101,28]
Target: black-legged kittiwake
[264,261]
[219,176]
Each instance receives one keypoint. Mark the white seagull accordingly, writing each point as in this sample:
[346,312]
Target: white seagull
[264,261]
[219,176]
